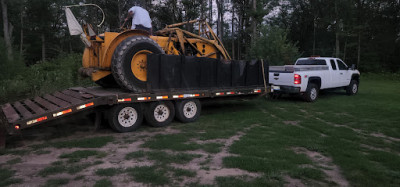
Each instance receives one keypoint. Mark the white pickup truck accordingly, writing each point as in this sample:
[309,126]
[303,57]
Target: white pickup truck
[309,75]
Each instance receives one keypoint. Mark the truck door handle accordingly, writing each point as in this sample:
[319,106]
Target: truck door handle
[341,73]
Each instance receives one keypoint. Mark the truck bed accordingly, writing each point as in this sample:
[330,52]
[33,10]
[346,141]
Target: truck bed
[293,68]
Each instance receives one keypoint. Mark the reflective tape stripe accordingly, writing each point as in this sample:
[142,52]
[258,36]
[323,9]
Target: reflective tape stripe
[84,106]
[36,120]
[62,112]
[257,91]
[124,100]
[162,97]
[143,98]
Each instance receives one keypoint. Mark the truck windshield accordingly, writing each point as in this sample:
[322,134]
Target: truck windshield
[311,62]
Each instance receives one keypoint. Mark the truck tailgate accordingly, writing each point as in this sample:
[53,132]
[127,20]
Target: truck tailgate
[281,78]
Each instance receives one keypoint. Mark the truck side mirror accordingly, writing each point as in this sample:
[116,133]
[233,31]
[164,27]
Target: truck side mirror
[353,67]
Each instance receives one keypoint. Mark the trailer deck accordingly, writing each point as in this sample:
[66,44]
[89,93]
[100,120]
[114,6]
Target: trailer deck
[176,86]
[32,112]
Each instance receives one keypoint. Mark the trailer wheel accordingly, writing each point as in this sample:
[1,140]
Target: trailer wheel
[352,88]
[311,93]
[159,114]
[125,117]
[188,110]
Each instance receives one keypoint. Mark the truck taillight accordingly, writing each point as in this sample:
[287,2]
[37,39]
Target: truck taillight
[297,79]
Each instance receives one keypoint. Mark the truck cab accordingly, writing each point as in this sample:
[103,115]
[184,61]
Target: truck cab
[309,75]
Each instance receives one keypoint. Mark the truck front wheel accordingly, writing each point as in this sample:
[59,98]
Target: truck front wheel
[188,110]
[311,93]
[126,117]
[352,88]
[159,114]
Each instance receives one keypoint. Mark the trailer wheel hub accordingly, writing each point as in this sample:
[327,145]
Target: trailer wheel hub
[127,117]
[161,113]
[190,109]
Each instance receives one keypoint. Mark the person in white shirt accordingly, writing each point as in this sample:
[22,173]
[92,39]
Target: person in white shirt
[140,18]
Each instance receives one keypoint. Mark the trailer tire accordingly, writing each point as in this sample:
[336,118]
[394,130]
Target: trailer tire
[129,62]
[352,88]
[311,93]
[160,113]
[187,110]
[125,117]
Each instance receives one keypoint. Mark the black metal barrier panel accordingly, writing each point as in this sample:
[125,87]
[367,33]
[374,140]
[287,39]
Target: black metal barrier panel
[172,72]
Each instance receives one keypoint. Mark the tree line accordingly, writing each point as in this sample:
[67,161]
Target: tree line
[362,32]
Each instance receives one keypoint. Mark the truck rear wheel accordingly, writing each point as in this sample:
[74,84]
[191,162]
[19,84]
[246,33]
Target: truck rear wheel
[311,93]
[129,62]
[352,88]
[125,117]
[159,114]
[187,110]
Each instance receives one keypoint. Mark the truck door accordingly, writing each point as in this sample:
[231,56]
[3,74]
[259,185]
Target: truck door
[335,78]
[343,73]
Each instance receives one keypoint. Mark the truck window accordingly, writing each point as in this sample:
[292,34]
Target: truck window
[333,64]
[311,62]
[341,65]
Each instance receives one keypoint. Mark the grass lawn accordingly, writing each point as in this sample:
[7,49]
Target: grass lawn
[339,140]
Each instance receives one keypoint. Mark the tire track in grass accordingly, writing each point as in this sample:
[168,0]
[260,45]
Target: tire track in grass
[331,170]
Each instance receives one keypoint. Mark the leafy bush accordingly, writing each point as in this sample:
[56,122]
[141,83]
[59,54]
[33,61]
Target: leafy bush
[274,46]
[44,77]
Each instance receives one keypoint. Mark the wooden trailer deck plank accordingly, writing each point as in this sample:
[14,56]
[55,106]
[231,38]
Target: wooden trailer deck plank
[22,110]
[34,107]
[101,92]
[78,95]
[67,98]
[46,104]
[56,100]
[10,113]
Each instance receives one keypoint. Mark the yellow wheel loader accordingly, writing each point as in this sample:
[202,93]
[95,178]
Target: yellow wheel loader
[120,58]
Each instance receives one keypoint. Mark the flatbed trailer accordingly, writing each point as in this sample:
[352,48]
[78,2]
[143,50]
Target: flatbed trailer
[125,110]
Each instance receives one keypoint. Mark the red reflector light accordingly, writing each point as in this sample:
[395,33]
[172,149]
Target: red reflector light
[297,79]
[17,127]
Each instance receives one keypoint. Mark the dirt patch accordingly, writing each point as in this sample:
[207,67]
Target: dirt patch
[294,123]
[293,182]
[338,125]
[209,166]
[207,177]
[379,149]
[331,170]
[380,135]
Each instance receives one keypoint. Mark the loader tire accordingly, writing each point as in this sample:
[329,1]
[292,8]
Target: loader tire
[129,62]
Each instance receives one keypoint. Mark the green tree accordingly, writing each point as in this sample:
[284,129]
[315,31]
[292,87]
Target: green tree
[274,46]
